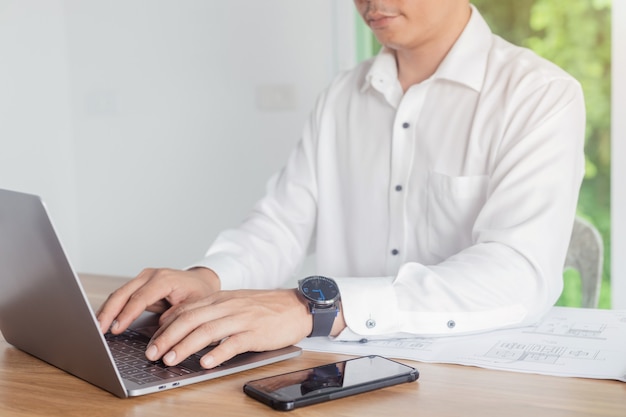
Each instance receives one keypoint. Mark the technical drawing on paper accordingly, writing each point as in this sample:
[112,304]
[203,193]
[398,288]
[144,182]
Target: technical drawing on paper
[537,353]
[416,343]
[571,329]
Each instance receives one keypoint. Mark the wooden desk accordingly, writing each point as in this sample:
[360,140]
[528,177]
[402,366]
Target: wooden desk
[29,387]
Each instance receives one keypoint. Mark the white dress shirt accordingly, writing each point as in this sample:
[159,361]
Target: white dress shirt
[446,209]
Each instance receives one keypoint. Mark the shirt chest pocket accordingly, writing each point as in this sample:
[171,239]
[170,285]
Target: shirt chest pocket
[453,205]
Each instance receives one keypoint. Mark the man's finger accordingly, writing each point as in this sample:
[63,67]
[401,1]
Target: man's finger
[190,328]
[115,302]
[227,349]
[130,300]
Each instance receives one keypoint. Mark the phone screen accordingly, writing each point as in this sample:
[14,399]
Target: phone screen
[327,382]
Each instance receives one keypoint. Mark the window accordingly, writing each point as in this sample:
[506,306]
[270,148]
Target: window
[618,154]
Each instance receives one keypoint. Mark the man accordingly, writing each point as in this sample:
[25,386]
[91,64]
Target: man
[436,183]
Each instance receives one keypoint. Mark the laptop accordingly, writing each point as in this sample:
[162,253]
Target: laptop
[44,312]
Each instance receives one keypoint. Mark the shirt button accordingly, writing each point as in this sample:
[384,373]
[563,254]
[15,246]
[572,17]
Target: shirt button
[370,324]
[451,324]
[394,252]
[405,125]
[398,188]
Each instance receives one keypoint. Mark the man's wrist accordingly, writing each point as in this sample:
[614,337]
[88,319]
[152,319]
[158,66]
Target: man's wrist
[209,276]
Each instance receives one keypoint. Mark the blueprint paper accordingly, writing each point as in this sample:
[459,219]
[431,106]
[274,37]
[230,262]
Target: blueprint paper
[575,342]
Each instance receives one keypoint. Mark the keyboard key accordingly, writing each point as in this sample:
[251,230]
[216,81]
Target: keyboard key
[128,350]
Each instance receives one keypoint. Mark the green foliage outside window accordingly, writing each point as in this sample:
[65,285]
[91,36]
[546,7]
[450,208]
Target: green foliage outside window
[575,35]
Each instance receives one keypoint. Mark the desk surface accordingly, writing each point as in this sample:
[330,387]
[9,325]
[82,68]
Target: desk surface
[29,387]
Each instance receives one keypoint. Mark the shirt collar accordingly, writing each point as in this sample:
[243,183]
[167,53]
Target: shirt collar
[465,63]
[383,73]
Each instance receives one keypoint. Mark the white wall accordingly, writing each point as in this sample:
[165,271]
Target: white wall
[36,152]
[149,126]
[618,153]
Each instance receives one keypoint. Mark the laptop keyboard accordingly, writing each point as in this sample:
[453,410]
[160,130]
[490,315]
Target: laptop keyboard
[128,350]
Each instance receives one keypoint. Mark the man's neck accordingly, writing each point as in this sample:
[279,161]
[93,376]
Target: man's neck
[420,63]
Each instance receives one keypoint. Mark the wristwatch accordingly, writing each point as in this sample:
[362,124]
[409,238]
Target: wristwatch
[322,294]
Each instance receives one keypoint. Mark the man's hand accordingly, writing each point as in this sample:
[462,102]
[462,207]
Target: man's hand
[240,321]
[154,290]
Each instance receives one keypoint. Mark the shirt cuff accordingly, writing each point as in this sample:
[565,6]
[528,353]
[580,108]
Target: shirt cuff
[369,305]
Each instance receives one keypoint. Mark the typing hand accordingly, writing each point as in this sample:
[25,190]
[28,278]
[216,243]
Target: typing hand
[245,320]
[154,290]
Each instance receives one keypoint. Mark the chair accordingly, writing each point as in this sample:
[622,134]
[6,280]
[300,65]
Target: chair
[586,255]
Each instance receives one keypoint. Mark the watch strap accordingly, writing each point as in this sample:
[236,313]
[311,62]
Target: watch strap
[323,320]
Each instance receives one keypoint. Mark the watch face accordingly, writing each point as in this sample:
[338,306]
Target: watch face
[320,290]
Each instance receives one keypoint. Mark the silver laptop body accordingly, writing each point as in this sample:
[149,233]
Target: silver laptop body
[44,310]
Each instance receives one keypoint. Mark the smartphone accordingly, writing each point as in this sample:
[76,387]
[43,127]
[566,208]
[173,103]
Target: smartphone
[328,382]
